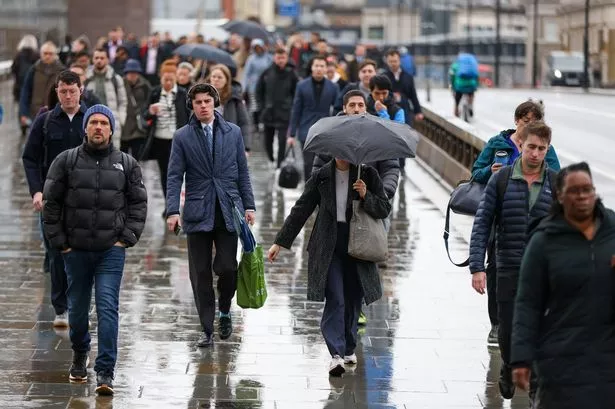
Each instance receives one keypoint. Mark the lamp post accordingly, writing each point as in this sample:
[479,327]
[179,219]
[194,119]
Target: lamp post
[429,26]
[498,42]
[535,48]
[586,49]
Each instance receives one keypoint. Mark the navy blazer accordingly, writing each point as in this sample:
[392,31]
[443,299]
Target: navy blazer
[223,176]
[306,110]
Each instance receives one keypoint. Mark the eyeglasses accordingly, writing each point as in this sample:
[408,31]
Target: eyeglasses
[580,190]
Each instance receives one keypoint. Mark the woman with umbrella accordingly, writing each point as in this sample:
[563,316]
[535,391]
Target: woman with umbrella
[342,281]
[564,319]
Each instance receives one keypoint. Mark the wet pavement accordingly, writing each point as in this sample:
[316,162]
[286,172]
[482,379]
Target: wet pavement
[424,345]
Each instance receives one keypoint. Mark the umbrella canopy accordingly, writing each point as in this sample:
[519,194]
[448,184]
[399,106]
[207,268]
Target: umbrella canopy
[205,52]
[362,139]
[248,29]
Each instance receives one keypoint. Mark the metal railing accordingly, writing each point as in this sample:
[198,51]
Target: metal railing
[5,69]
[448,145]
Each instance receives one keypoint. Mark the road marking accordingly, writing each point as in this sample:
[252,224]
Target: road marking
[560,153]
[583,110]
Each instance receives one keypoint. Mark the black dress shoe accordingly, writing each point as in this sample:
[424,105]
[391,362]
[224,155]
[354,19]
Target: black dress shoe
[506,384]
[225,327]
[206,341]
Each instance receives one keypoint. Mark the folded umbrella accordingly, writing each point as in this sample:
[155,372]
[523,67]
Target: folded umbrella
[248,29]
[205,52]
[361,139]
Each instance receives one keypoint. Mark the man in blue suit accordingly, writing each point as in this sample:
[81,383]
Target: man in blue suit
[210,153]
[314,100]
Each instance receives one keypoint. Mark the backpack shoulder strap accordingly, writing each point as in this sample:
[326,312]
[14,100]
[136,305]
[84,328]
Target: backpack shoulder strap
[73,156]
[46,125]
[128,163]
[502,179]
[114,82]
[46,139]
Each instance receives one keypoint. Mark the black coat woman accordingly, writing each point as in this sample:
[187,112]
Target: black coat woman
[564,320]
[342,281]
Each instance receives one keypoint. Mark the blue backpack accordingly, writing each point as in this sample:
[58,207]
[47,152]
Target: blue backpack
[467,66]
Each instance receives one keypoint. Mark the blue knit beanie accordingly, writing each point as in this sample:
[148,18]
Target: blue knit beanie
[99,109]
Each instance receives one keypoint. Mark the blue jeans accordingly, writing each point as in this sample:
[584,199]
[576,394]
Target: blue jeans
[104,269]
[57,274]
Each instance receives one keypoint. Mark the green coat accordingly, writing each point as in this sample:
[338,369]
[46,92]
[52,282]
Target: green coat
[481,171]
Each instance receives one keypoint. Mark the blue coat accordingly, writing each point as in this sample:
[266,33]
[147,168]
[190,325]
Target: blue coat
[512,219]
[306,110]
[223,177]
[481,170]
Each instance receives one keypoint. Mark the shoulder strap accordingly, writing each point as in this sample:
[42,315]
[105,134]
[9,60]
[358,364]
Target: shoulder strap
[128,164]
[446,236]
[73,156]
[114,82]
[502,178]
[46,139]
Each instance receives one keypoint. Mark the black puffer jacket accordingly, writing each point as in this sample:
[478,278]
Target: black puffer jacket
[91,204]
[511,229]
[564,319]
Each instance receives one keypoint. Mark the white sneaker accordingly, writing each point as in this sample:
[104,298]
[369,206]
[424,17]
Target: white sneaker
[350,359]
[61,320]
[336,368]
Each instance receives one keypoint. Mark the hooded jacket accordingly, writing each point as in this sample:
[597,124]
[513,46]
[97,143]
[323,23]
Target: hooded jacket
[564,319]
[235,111]
[481,170]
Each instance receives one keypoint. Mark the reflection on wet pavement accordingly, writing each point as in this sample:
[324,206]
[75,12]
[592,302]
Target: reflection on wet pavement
[424,345]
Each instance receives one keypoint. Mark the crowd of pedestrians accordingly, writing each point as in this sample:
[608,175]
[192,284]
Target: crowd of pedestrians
[539,245]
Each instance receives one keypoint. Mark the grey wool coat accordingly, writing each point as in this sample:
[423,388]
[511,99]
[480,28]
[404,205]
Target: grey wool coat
[320,191]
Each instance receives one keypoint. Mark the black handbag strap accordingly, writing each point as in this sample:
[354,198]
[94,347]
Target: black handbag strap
[290,150]
[446,236]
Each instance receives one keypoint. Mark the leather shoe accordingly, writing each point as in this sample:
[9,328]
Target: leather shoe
[206,341]
[225,327]
[506,384]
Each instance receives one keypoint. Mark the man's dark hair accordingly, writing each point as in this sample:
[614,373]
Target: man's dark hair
[280,50]
[318,57]
[353,93]
[322,40]
[381,82]
[68,77]
[525,108]
[367,62]
[538,128]
[82,53]
[392,51]
[102,50]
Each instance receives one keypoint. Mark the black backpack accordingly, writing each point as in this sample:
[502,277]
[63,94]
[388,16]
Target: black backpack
[289,174]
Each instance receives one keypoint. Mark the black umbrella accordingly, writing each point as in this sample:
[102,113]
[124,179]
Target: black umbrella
[361,139]
[248,29]
[205,52]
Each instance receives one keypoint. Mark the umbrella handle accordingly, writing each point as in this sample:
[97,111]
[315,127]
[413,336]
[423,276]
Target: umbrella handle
[359,173]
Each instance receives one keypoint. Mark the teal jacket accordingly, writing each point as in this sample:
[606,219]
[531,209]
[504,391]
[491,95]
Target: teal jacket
[481,171]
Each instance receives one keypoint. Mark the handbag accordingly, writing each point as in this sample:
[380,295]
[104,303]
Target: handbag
[464,200]
[289,173]
[367,240]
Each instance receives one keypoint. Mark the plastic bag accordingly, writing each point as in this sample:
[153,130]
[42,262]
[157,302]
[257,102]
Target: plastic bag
[251,286]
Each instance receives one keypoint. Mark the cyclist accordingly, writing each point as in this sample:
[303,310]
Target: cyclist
[464,80]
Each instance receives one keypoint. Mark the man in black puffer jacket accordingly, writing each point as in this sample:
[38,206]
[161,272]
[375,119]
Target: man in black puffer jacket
[514,197]
[95,207]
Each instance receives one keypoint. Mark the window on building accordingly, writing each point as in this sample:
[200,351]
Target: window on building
[375,33]
[551,33]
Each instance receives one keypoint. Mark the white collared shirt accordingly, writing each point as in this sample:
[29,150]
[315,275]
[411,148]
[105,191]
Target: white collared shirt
[152,56]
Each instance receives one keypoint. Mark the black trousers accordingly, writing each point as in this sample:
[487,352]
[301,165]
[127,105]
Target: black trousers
[492,301]
[270,135]
[133,147]
[308,162]
[161,151]
[201,263]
